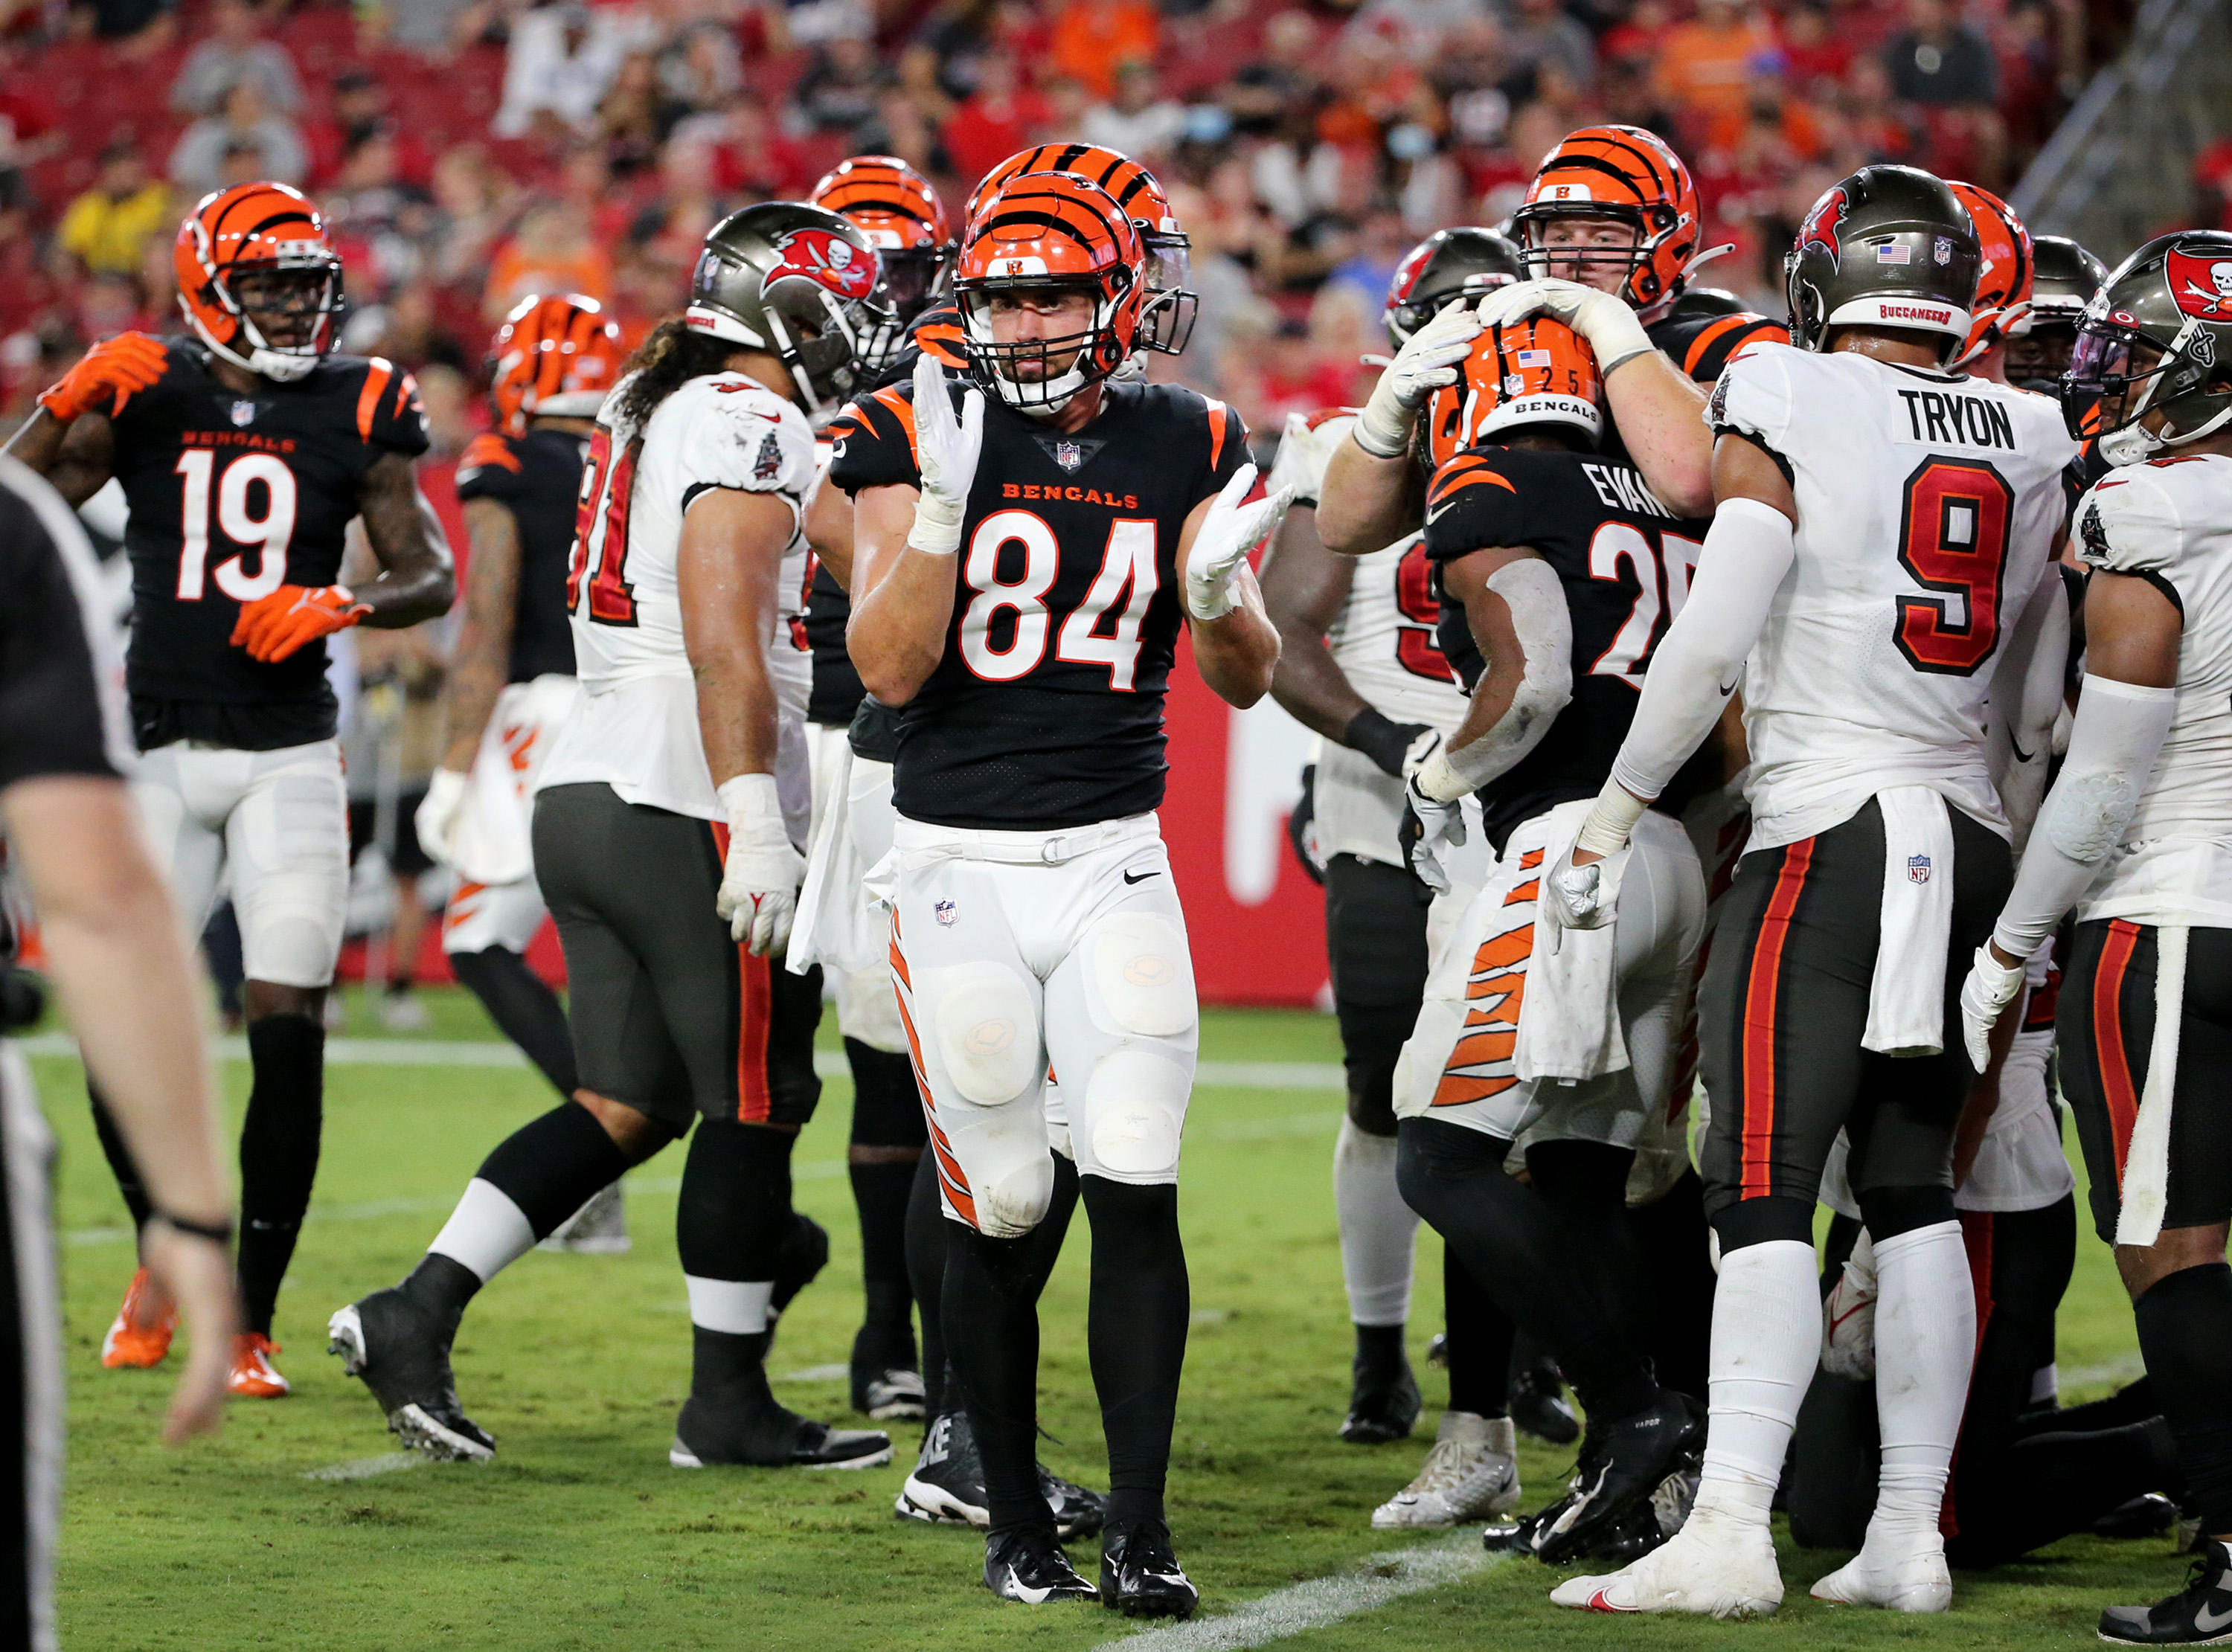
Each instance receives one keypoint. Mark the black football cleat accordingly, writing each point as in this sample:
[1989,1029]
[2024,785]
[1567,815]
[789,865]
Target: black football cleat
[1025,1564]
[759,1433]
[1622,1465]
[1077,1513]
[2198,1614]
[1382,1405]
[1139,1574]
[1539,1407]
[888,1393]
[402,1353]
[2146,1516]
[947,1486]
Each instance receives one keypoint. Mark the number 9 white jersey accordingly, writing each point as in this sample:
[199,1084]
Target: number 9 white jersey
[1927,505]
[637,726]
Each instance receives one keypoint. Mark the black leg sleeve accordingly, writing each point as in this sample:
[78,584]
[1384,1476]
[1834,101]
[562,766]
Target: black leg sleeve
[120,1164]
[278,1154]
[526,1011]
[1477,1342]
[992,1304]
[926,1266]
[2185,1332]
[1141,1309]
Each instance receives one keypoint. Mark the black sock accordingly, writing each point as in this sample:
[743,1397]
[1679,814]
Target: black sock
[2185,1334]
[1513,1243]
[925,1265]
[728,1367]
[729,1224]
[1585,1184]
[278,1154]
[880,1196]
[442,1285]
[121,1163]
[1141,1307]
[525,1011]
[550,1167]
[992,1304]
[1477,1342]
[1379,1353]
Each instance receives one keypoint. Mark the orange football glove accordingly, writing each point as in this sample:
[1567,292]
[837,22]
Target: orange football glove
[106,377]
[270,628]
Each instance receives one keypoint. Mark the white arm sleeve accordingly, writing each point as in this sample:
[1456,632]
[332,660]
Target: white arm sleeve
[2027,699]
[1536,597]
[2112,747]
[1748,551]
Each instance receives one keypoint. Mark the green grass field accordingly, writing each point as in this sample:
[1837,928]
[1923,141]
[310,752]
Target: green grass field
[580,1536]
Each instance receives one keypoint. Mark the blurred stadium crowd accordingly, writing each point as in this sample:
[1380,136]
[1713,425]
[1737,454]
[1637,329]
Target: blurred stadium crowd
[468,151]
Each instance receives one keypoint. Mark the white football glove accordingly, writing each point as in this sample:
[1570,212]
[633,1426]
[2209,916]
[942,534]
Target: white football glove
[760,879]
[1603,319]
[1230,533]
[440,813]
[1583,898]
[1848,1315]
[1985,995]
[1428,825]
[945,453]
[1423,365]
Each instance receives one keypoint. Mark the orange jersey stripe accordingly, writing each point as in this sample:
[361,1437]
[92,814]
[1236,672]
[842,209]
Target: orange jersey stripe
[487,447]
[2117,1081]
[903,410]
[368,401]
[1217,417]
[1762,993]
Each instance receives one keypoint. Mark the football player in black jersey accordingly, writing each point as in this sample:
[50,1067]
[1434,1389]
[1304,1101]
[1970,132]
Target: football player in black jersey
[244,449]
[1033,917]
[1609,233]
[511,682]
[1561,570]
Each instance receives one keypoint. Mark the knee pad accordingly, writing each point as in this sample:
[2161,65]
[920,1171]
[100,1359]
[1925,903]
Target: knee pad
[1012,1201]
[1144,975]
[986,1025]
[1136,1100]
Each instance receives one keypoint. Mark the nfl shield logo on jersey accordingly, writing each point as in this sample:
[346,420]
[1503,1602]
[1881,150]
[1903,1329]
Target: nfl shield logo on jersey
[244,413]
[1068,456]
[1918,869]
[943,912]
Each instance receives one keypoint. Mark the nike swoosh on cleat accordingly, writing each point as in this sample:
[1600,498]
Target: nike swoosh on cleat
[1601,1601]
[2208,1623]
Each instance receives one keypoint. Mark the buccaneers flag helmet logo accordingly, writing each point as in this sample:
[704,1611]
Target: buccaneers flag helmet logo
[1819,229]
[820,256]
[2202,286]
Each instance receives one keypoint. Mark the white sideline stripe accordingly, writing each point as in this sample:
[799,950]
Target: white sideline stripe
[830,1064]
[2122,1369]
[366,1468]
[1305,1606]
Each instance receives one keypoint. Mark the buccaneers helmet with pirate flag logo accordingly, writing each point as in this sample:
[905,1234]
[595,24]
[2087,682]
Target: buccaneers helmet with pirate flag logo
[554,357]
[1890,247]
[797,281]
[1166,320]
[2156,339]
[911,232]
[1041,230]
[1628,175]
[257,281]
[1448,265]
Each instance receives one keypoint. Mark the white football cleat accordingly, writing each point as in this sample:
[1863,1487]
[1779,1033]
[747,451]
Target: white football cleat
[1717,1565]
[1906,1576]
[1471,1473]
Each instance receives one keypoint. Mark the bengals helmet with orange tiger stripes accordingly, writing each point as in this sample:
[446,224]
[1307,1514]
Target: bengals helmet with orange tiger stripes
[1041,230]
[1532,372]
[1167,322]
[554,357]
[260,251]
[2000,308]
[897,209]
[1629,176]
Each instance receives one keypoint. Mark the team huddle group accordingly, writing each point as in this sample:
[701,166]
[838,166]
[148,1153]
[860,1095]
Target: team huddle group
[1688,685]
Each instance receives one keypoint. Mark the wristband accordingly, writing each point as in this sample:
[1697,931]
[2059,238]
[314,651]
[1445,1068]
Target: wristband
[1611,818]
[1437,778]
[1382,739]
[218,1233]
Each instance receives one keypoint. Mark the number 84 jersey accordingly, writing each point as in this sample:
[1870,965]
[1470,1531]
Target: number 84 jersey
[1928,504]
[1046,709]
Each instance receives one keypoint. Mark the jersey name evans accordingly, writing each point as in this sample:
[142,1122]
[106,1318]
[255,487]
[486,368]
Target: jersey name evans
[1073,494]
[1937,416]
[1624,490]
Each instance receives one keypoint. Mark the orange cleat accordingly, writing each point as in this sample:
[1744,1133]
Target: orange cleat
[138,1339]
[253,1375]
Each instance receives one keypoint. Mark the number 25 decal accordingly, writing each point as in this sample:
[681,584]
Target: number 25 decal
[269,531]
[1953,538]
[1662,573]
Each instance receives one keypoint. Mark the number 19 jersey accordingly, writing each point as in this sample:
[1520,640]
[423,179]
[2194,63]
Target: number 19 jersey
[1927,507]
[1046,709]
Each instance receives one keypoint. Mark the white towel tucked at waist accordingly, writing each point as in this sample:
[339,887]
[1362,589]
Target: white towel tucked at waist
[1569,1025]
[2145,1193]
[1906,999]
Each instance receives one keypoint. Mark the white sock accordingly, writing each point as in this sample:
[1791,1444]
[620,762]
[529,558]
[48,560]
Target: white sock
[1925,1344]
[1767,1340]
[1379,1232]
[487,1232]
[739,1307]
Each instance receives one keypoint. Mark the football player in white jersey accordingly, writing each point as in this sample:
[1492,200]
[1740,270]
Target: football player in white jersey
[1881,531]
[1359,666]
[666,843]
[2133,836]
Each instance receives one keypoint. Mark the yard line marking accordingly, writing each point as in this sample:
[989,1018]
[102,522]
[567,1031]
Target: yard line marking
[366,1468]
[819,1374]
[2122,1369]
[1305,1606]
[828,1064]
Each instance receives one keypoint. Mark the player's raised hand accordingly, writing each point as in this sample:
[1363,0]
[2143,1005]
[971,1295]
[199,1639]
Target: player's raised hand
[945,452]
[1603,319]
[1427,361]
[1985,995]
[106,377]
[761,875]
[271,628]
[1229,535]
